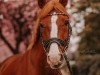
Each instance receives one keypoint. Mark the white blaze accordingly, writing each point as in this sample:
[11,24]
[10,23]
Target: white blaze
[54,28]
[54,50]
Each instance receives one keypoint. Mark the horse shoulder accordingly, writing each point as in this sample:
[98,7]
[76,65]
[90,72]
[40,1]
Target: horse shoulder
[8,62]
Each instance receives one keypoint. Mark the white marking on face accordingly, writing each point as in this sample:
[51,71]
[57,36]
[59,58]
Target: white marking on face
[54,28]
[54,50]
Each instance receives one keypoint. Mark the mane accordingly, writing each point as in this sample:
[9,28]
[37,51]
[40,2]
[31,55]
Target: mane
[43,13]
[42,3]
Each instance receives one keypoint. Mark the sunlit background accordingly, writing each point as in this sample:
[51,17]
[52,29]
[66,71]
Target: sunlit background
[18,16]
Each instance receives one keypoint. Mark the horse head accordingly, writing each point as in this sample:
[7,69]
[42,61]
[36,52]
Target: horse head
[55,30]
[55,33]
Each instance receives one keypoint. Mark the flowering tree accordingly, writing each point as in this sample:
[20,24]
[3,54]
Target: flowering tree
[16,21]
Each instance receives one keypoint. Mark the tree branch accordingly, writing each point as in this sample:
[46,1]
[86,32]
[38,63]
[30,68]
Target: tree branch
[7,43]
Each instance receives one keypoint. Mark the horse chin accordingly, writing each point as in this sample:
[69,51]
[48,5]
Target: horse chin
[60,65]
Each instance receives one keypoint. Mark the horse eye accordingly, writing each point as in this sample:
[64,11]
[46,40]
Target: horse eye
[42,26]
[66,22]
[46,44]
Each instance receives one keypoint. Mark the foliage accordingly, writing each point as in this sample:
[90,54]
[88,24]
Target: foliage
[87,55]
[90,42]
[18,18]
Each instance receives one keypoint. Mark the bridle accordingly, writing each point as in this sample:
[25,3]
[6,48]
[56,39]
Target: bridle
[65,42]
[60,42]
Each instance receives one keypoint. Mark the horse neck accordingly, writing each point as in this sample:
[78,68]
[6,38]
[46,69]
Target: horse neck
[38,52]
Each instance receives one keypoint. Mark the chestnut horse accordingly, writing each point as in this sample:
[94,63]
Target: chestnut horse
[46,53]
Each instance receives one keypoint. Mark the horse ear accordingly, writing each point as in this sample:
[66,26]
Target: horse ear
[63,2]
[41,3]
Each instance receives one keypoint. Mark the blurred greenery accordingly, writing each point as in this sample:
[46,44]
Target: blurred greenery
[90,42]
[88,53]
[95,0]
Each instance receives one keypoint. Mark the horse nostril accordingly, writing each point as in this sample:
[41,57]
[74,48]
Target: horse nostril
[48,57]
[61,58]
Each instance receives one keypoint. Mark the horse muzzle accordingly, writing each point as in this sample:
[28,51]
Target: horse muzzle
[56,64]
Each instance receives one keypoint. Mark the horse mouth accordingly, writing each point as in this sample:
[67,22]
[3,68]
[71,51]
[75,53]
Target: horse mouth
[60,65]
[55,66]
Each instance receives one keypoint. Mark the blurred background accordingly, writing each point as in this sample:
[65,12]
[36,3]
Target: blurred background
[17,18]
